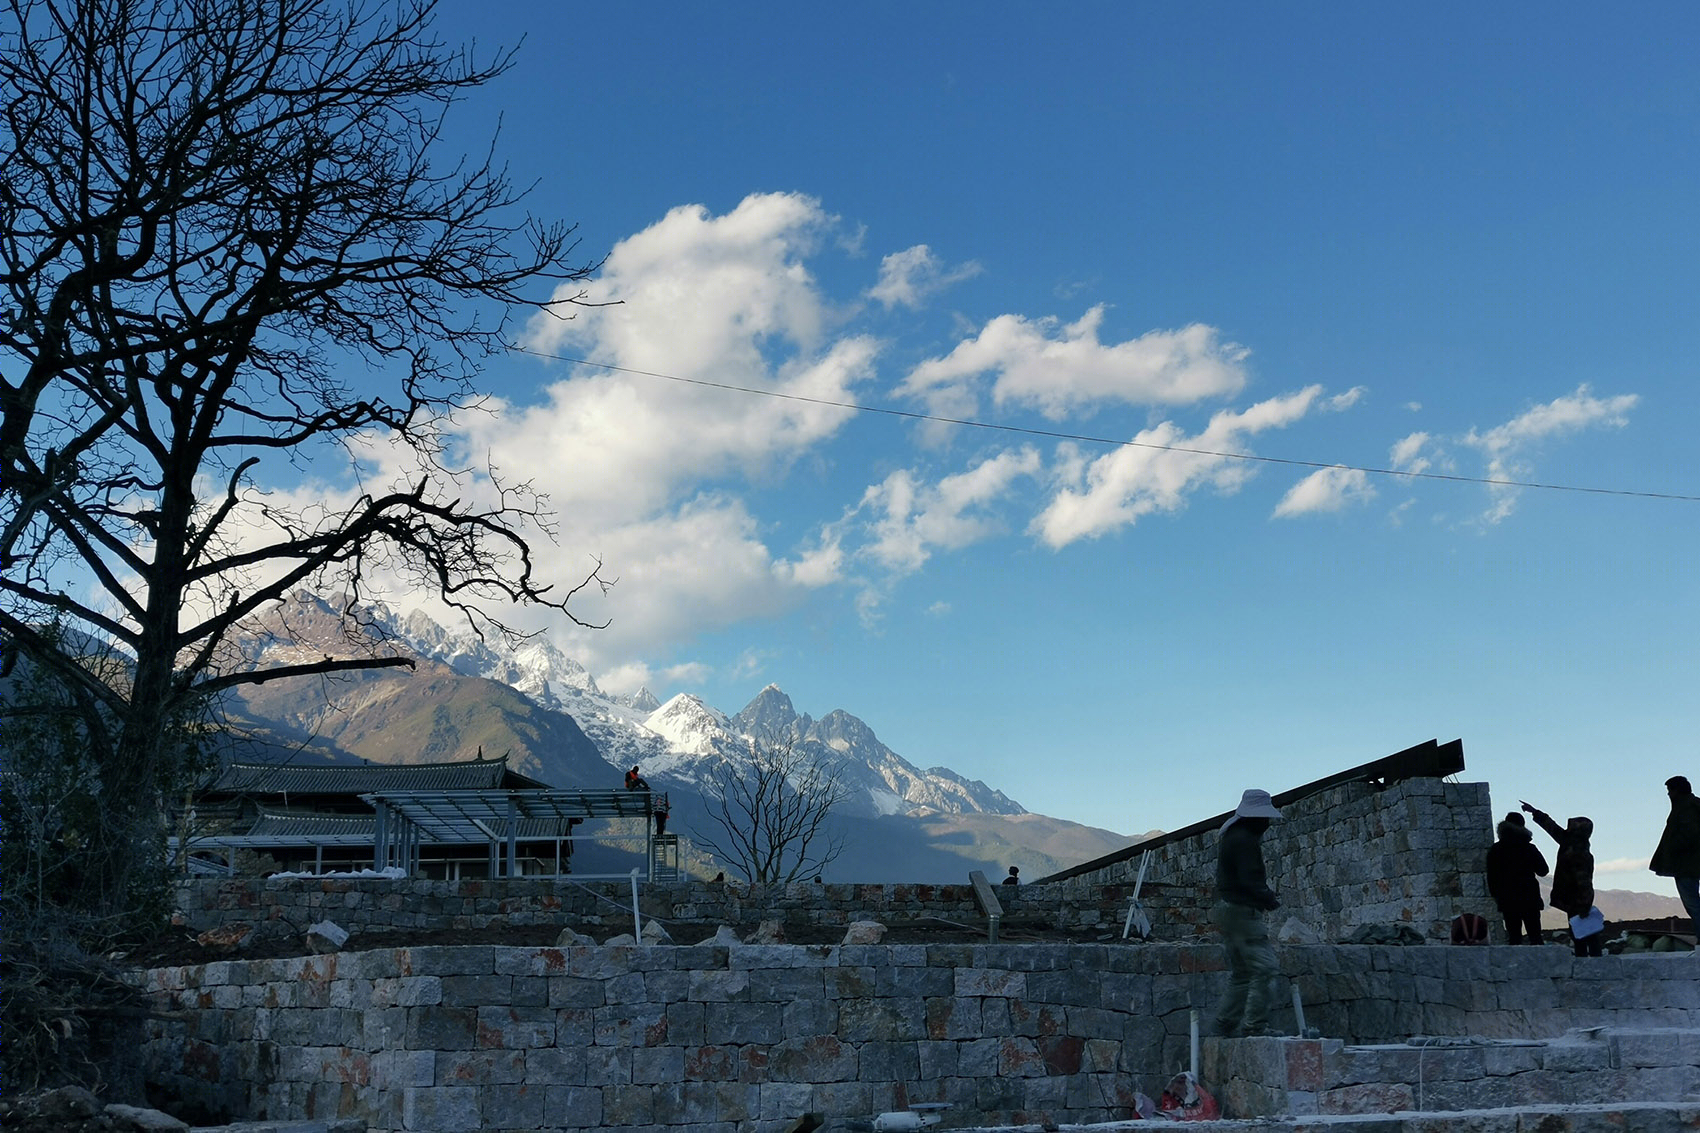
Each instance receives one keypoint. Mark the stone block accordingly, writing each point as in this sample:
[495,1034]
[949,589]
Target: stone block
[476,990]
[593,962]
[1078,989]
[884,1020]
[572,991]
[1572,1055]
[820,1058]
[709,1063]
[854,982]
[516,1028]
[458,960]
[1369,1097]
[479,1067]
[888,1062]
[739,1023]
[397,1069]
[575,1026]
[441,1107]
[629,1025]
[950,1018]
[1125,991]
[913,981]
[658,1064]
[628,988]
[513,1106]
[1095,1023]
[720,987]
[990,983]
[978,1058]
[786,985]
[441,1028]
[845,1097]
[784,1101]
[627,1105]
[1019,1057]
[807,1017]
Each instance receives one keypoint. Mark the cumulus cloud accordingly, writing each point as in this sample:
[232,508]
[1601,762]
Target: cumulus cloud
[908,278]
[908,518]
[1158,471]
[1326,489]
[1062,369]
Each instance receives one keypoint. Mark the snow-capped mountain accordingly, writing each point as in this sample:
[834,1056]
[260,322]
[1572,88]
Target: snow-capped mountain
[686,740]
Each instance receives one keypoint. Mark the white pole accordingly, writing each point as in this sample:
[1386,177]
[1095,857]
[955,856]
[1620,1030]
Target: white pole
[1192,1075]
[637,924]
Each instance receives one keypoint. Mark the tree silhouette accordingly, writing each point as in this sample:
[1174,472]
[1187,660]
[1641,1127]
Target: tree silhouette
[227,257]
[771,810]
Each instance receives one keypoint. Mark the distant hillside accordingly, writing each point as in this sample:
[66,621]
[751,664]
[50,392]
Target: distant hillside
[1618,905]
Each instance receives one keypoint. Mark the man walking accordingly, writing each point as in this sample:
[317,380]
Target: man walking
[1678,855]
[1242,897]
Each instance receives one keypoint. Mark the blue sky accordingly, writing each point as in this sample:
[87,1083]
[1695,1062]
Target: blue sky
[1439,239]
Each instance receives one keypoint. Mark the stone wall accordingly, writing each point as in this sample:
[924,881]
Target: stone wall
[1410,853]
[713,1038]
[604,909]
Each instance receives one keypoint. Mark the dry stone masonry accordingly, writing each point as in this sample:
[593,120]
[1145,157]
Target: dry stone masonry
[713,1038]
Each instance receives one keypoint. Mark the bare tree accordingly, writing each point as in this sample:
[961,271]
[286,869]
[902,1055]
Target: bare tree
[227,256]
[772,811]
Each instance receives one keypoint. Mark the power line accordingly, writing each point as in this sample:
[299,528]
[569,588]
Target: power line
[1055,434]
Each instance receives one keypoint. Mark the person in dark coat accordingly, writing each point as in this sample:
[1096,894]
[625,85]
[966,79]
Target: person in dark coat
[1242,897]
[1572,872]
[1678,855]
[1513,867]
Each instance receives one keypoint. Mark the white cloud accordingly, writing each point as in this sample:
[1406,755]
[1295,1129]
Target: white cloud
[1156,474]
[1406,455]
[1326,489]
[908,278]
[1506,446]
[699,567]
[1341,402]
[912,519]
[1562,415]
[1063,369]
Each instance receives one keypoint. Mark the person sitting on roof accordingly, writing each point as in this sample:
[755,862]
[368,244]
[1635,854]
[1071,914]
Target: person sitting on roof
[634,781]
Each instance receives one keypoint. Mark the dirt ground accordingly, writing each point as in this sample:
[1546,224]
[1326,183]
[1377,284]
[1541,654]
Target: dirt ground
[178,946]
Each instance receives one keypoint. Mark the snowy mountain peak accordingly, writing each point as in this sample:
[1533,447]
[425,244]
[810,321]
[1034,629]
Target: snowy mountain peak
[770,716]
[690,726]
[643,700]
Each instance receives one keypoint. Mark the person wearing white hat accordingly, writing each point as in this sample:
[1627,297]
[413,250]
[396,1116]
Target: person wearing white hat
[1242,897]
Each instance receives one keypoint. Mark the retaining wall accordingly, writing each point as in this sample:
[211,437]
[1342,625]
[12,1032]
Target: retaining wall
[376,904]
[713,1038]
[1410,852]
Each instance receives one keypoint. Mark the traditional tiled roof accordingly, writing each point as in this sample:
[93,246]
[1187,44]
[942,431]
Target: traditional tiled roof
[353,781]
[294,827]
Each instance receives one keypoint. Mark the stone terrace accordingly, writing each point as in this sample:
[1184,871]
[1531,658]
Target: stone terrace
[716,1037]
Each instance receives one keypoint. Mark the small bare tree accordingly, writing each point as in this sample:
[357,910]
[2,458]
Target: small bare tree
[772,811]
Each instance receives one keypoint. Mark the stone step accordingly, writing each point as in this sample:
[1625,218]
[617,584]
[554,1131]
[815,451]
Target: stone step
[1643,1117]
[1591,1066]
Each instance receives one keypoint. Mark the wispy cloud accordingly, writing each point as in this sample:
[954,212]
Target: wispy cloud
[910,277]
[1508,446]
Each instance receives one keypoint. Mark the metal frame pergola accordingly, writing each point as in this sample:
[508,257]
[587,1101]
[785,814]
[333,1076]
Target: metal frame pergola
[408,820]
